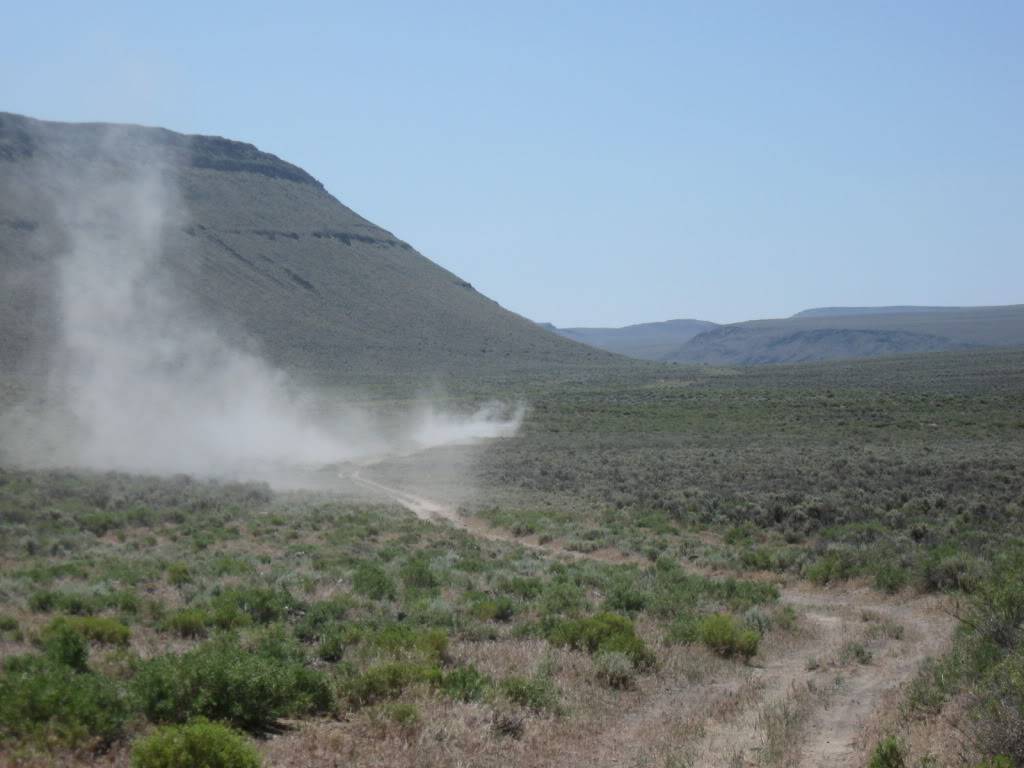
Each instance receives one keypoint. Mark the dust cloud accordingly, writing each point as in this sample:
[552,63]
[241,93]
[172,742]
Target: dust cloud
[139,382]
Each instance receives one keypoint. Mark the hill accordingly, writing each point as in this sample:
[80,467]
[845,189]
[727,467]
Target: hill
[646,341]
[830,335]
[261,250]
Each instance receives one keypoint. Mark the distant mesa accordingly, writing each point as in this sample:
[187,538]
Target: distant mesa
[266,254]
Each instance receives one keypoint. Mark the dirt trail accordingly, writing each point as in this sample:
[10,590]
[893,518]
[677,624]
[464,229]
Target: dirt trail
[832,696]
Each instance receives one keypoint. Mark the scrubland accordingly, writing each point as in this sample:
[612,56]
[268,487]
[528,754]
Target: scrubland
[774,566]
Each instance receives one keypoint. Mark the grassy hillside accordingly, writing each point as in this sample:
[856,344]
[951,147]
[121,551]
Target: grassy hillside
[645,341]
[262,250]
[830,335]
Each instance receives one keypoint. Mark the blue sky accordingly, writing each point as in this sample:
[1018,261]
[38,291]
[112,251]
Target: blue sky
[601,163]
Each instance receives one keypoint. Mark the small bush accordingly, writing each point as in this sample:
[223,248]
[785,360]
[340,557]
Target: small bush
[178,574]
[263,605]
[223,681]
[464,684]
[188,622]
[404,714]
[537,693]
[388,680]
[498,609]
[723,634]
[63,645]
[889,753]
[614,669]
[373,582]
[97,629]
[199,743]
[41,699]
[416,574]
[606,632]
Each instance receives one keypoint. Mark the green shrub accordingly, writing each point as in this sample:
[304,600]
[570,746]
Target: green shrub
[388,680]
[464,684]
[95,628]
[44,700]
[537,693]
[416,574]
[614,669]
[373,582]
[261,604]
[9,626]
[63,645]
[188,622]
[889,753]
[723,634]
[321,617]
[223,681]
[497,609]
[404,714]
[606,632]
[178,574]
[394,639]
[198,744]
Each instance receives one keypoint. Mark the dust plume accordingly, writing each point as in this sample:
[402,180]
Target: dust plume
[139,382]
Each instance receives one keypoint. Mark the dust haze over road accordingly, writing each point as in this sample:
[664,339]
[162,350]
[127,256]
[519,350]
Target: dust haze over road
[140,381]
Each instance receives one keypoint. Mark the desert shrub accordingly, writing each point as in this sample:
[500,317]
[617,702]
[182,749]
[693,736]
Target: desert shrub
[607,632]
[496,609]
[685,629]
[888,753]
[723,634]
[538,693]
[946,568]
[395,639]
[625,598]
[614,669]
[890,578]
[416,573]
[42,699]
[263,605]
[198,743]
[562,597]
[95,628]
[321,616]
[388,680]
[402,713]
[8,625]
[178,574]
[63,645]
[523,587]
[188,622]
[334,641]
[828,569]
[222,681]
[464,684]
[373,582]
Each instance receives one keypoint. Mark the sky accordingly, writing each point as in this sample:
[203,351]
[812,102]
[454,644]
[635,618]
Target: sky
[601,164]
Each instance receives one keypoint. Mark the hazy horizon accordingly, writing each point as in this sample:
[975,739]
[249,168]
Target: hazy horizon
[589,167]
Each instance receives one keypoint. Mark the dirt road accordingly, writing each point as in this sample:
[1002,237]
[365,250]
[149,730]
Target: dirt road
[811,699]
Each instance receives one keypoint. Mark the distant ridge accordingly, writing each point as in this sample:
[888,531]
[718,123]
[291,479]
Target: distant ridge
[839,333]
